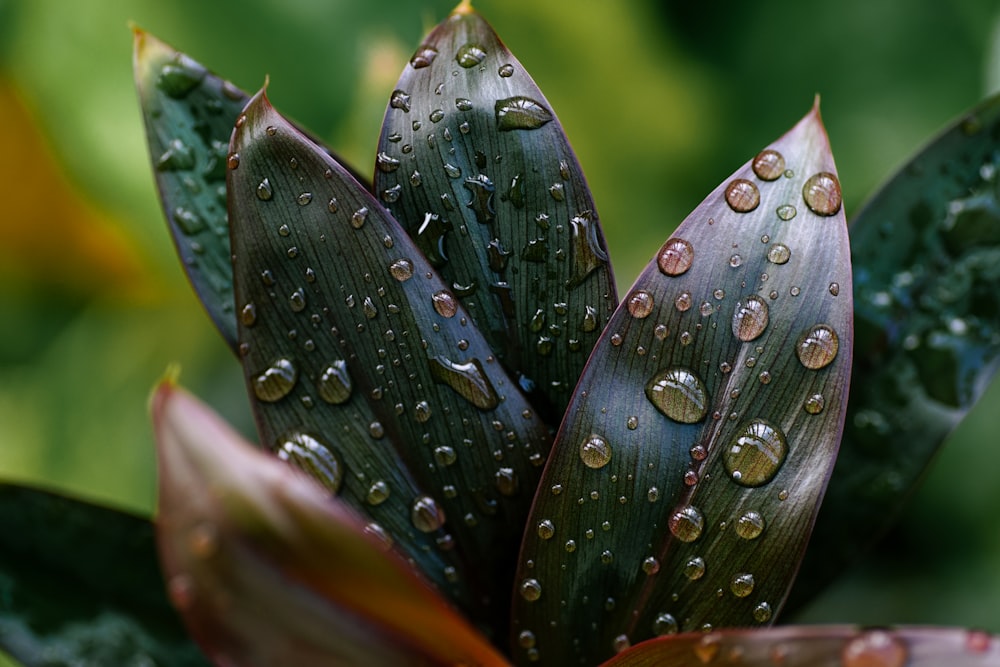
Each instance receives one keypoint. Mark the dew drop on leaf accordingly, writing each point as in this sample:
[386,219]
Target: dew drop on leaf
[817,348]
[640,304]
[334,383]
[470,55]
[314,457]
[769,165]
[694,569]
[378,493]
[424,56]
[814,404]
[665,624]
[786,212]
[822,193]
[679,394]
[530,590]
[520,113]
[750,525]
[742,585]
[742,195]
[444,303]
[595,452]
[750,318]
[675,257]
[275,382]
[401,269]
[468,379]
[686,524]
[426,515]
[778,253]
[755,453]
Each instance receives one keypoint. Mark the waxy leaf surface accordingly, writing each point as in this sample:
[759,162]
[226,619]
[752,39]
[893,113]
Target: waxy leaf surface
[685,479]
[829,646]
[474,164]
[351,340]
[926,251]
[267,570]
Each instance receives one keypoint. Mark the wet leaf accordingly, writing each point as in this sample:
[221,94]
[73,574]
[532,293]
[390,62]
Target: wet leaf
[475,166]
[926,252]
[81,583]
[267,570]
[685,479]
[349,336]
[830,646]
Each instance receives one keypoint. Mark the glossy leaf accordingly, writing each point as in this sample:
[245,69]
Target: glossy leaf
[350,337]
[685,479]
[475,166]
[81,585]
[926,254]
[830,646]
[267,570]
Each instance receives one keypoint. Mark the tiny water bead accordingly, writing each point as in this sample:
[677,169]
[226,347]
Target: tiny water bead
[834,289]
[686,524]
[595,452]
[762,612]
[750,525]
[814,404]
[742,585]
[275,382]
[546,529]
[786,212]
[694,569]
[822,193]
[334,383]
[675,257]
[875,648]
[778,253]
[264,190]
[665,624]
[742,195]
[530,590]
[426,515]
[679,394]
[651,565]
[640,304]
[818,347]
[248,315]
[750,318]
[769,165]
[378,493]
[756,453]
[309,454]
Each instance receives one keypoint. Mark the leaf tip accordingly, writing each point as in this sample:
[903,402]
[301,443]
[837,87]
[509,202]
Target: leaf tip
[463,8]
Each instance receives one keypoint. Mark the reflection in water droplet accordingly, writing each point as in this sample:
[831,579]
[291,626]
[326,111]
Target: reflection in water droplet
[334,383]
[686,524]
[750,318]
[424,56]
[750,525]
[786,212]
[769,165]
[426,515]
[180,76]
[742,585]
[422,411]
[276,381]
[445,456]
[876,648]
[520,113]
[822,193]
[694,569]
[817,348]
[546,529]
[834,289]
[778,253]
[297,300]
[468,379]
[755,454]
[470,55]
[595,452]
[762,612]
[264,191]
[675,257]
[358,218]
[386,163]
[401,269]
[530,590]
[679,394]
[640,304]
[506,70]
[378,493]
[814,404]
[742,195]
[248,316]
[315,458]
[400,100]
[304,198]
[507,482]
[651,565]
[665,624]
[683,302]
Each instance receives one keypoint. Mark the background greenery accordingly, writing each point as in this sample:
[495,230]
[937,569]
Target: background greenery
[661,100]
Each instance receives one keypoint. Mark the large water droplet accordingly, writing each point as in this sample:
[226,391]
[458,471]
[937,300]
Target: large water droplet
[762,612]
[640,304]
[530,590]
[520,113]
[778,253]
[309,454]
[750,525]
[814,404]
[595,452]
[755,454]
[468,379]
[445,303]
[742,195]
[401,269]
[665,624]
[822,193]
[424,56]
[694,569]
[750,318]
[334,383]
[426,515]
[876,648]
[679,394]
[686,524]
[274,383]
[386,163]
[769,165]
[817,348]
[470,55]
[742,584]
[675,257]
[546,529]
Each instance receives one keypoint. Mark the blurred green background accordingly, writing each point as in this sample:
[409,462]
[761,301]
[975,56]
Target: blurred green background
[661,100]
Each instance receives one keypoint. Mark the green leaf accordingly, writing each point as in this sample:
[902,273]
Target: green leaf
[80,585]
[685,479]
[926,252]
[475,166]
[350,339]
[829,646]
[267,570]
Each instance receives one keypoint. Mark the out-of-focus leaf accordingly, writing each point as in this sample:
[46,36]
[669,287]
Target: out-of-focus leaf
[80,585]
[49,234]
[349,337]
[475,166]
[267,570]
[926,252]
[685,479]
[829,646]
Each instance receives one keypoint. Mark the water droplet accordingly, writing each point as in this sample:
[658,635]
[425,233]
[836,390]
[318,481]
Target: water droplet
[834,289]
[177,157]
[822,193]
[334,383]
[400,100]
[750,525]
[386,163]
[507,482]
[679,394]
[233,161]
[786,212]
[530,590]
[651,565]
[762,612]
[424,56]
[769,165]
[640,304]
[686,524]
[426,515]
[470,55]
[376,430]
[520,113]
[314,457]
[468,379]
[653,494]
[248,316]
[401,269]
[817,347]
[735,261]
[814,404]
[876,648]
[436,116]
[422,411]
[694,569]
[755,454]
[706,309]
[675,257]
[778,253]
[358,218]
[665,624]
[750,318]
[546,529]
[683,302]
[595,452]
[742,584]
[332,205]
[445,303]
[304,198]
[276,381]
[742,195]
[445,456]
